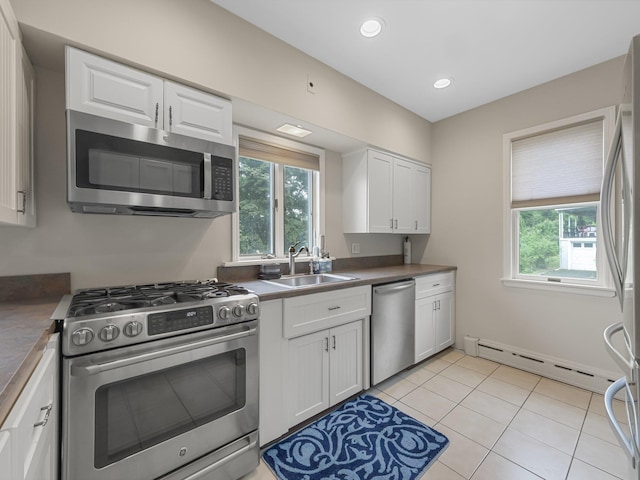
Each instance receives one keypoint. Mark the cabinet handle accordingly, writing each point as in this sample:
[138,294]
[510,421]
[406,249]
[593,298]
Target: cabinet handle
[334,342]
[326,344]
[434,306]
[44,421]
[438,304]
[334,308]
[392,224]
[416,224]
[23,210]
[396,223]
[170,117]
[157,107]
[435,285]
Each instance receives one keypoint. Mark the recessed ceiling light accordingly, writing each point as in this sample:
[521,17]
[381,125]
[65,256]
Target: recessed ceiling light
[296,131]
[443,83]
[371,27]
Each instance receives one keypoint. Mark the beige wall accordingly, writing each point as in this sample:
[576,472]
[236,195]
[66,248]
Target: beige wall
[207,47]
[197,42]
[468,223]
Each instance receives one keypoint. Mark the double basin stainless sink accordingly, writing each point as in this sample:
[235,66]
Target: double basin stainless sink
[309,280]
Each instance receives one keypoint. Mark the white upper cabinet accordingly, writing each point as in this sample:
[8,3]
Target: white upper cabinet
[383,193]
[197,114]
[377,212]
[403,202]
[17,199]
[109,89]
[101,87]
[422,197]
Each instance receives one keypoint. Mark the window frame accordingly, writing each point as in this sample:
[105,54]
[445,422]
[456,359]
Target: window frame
[317,214]
[603,285]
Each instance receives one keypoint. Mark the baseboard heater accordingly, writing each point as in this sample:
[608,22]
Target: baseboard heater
[555,368]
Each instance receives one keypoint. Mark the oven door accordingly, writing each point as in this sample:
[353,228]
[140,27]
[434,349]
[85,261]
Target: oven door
[143,411]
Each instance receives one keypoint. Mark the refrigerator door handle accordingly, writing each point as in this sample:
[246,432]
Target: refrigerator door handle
[625,362]
[605,210]
[628,444]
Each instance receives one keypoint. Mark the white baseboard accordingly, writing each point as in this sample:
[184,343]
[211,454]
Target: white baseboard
[555,368]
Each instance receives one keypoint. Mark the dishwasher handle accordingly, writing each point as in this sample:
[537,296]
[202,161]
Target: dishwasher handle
[393,287]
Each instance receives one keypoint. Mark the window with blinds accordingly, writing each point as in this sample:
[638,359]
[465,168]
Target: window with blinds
[554,174]
[278,190]
[562,166]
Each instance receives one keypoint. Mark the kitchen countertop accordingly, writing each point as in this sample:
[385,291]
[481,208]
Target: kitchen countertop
[364,276]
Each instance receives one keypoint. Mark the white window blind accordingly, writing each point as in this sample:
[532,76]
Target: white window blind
[558,167]
[252,148]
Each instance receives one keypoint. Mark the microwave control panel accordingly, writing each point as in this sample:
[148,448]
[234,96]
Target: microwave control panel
[222,178]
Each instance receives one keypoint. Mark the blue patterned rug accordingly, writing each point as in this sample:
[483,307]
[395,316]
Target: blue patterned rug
[364,439]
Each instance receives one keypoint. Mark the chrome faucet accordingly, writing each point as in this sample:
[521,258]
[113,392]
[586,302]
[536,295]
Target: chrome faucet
[293,255]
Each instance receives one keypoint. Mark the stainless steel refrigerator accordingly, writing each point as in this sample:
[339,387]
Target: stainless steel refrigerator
[620,220]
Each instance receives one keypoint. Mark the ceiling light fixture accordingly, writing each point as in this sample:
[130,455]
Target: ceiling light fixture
[296,131]
[443,83]
[371,27]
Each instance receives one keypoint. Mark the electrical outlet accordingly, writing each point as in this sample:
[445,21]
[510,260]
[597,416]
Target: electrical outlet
[311,85]
[355,248]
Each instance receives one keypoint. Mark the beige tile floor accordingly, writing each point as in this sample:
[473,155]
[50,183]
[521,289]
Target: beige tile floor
[503,423]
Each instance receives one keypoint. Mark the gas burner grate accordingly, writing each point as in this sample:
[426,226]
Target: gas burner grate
[116,299]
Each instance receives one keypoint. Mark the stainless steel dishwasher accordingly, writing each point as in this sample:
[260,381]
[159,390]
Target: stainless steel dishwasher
[392,329]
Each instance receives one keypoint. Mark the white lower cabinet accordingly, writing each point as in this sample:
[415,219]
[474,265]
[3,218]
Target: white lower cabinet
[31,429]
[324,368]
[434,314]
[326,352]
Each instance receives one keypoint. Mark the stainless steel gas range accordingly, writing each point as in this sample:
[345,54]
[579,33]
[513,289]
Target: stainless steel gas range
[160,381]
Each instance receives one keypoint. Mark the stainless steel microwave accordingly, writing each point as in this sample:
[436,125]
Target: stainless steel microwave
[116,167]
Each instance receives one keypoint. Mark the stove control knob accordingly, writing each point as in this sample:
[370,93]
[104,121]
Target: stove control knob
[252,308]
[82,336]
[109,333]
[238,311]
[224,313]
[133,329]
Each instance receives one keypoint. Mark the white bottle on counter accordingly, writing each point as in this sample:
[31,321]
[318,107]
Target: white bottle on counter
[406,251]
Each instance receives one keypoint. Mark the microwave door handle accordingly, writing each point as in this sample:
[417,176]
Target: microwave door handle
[93,369]
[626,443]
[605,213]
[208,180]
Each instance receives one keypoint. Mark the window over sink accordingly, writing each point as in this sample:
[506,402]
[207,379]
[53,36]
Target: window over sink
[279,193]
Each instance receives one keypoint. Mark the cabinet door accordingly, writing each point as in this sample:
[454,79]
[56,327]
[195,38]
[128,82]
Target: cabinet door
[422,200]
[101,87]
[425,341]
[345,361]
[380,187]
[9,44]
[197,114]
[26,208]
[403,198]
[444,321]
[33,421]
[308,376]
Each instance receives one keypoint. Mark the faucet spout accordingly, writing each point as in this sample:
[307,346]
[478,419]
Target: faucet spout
[293,255]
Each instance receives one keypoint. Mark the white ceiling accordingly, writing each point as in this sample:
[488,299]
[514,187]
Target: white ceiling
[491,48]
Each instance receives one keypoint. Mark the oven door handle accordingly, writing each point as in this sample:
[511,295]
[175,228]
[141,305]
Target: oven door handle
[93,369]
